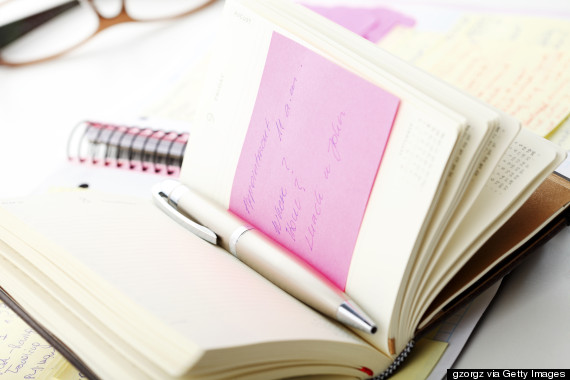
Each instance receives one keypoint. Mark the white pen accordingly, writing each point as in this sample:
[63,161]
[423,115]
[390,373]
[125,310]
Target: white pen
[218,226]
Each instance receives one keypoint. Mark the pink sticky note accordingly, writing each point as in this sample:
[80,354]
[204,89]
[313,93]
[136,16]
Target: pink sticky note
[357,20]
[370,23]
[386,20]
[310,157]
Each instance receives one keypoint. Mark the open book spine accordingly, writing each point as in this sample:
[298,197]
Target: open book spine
[128,147]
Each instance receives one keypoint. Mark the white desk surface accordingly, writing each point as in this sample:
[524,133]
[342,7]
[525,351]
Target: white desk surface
[122,71]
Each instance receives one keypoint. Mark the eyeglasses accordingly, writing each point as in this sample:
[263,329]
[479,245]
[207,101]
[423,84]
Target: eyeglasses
[56,30]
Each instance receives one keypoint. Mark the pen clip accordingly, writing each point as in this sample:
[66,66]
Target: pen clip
[160,195]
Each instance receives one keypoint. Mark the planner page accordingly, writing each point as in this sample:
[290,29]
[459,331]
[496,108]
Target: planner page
[121,266]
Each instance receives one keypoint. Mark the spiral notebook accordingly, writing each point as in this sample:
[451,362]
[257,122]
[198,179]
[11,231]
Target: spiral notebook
[146,149]
[120,157]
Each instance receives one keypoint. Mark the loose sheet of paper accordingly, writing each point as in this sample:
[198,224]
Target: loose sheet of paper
[311,154]
[517,64]
[561,135]
[370,23]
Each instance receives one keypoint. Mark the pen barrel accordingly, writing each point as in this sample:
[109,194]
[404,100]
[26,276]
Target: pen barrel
[289,273]
[271,260]
[210,215]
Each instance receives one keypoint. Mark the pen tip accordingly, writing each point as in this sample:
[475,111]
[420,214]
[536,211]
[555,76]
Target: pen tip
[352,316]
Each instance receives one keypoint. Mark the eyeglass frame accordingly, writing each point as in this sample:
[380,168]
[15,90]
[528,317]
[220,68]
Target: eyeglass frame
[103,24]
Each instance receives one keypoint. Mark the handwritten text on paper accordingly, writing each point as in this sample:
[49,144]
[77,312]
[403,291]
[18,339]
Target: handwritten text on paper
[23,353]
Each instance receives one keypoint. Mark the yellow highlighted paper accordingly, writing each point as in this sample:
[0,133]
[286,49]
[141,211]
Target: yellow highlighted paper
[26,355]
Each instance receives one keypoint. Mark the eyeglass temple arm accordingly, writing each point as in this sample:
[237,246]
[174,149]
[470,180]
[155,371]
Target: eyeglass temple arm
[16,29]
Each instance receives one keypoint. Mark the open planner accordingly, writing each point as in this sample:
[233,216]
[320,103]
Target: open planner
[406,193]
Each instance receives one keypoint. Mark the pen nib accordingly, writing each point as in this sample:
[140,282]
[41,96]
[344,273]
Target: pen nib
[352,316]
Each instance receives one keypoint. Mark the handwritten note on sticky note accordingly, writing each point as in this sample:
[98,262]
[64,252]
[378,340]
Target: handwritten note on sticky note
[310,157]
